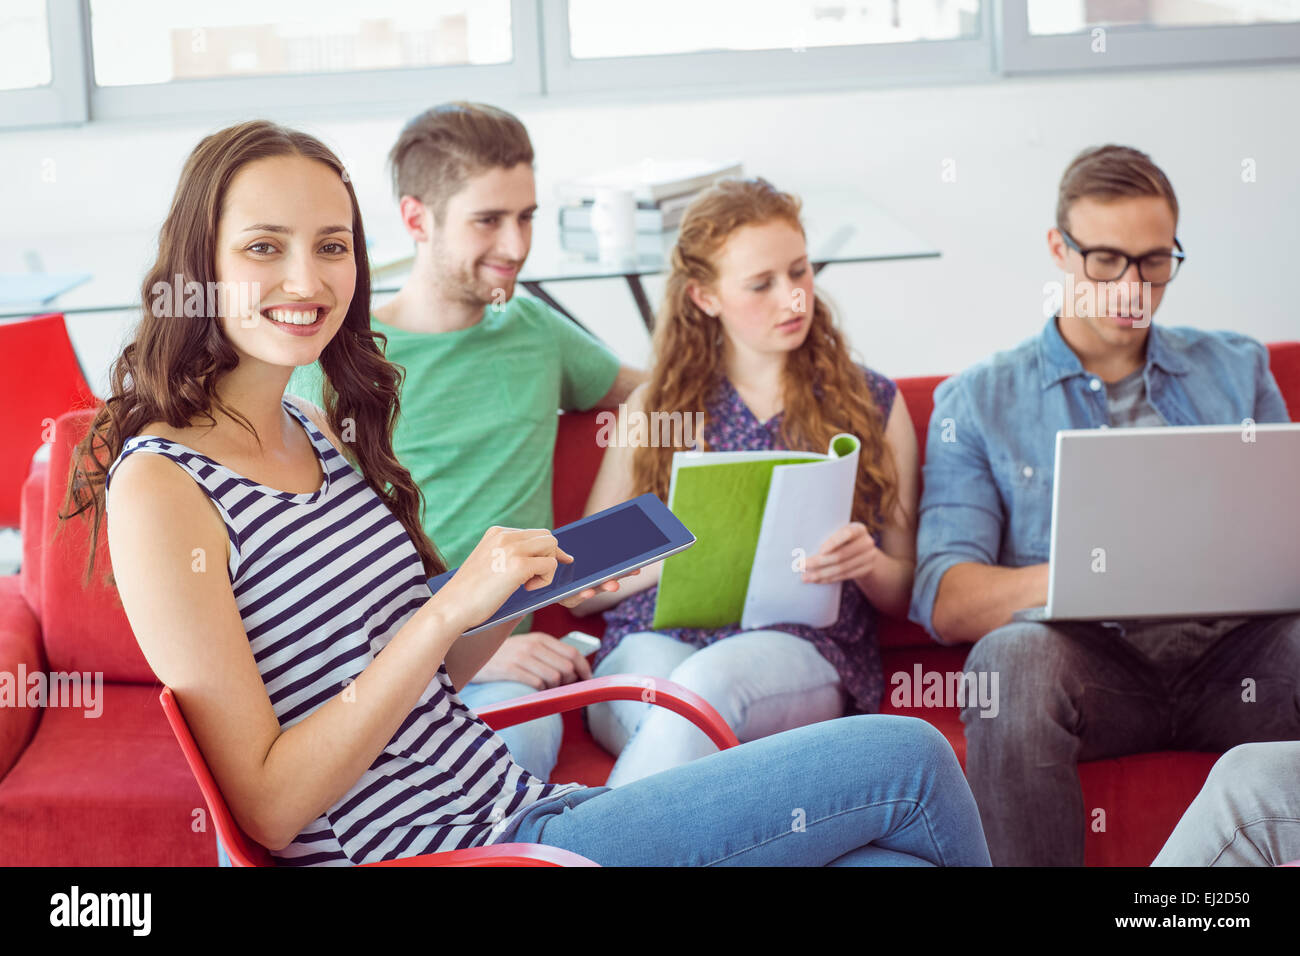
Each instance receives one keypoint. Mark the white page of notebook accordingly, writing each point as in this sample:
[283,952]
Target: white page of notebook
[806,504]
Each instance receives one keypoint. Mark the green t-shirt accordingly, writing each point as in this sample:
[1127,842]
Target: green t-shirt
[478,416]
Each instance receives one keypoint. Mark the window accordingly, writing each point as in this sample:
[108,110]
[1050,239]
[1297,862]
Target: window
[158,41]
[24,45]
[1071,16]
[620,45]
[1041,35]
[600,29]
[158,57]
[42,64]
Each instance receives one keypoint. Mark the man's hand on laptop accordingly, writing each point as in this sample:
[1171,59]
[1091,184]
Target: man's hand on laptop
[535,659]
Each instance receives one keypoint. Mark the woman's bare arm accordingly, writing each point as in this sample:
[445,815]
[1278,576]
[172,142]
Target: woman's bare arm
[167,548]
[889,584]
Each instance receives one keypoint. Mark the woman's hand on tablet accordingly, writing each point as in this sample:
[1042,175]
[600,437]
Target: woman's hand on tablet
[602,600]
[504,559]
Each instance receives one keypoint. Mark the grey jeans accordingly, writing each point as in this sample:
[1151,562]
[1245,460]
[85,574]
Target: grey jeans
[1247,814]
[1072,692]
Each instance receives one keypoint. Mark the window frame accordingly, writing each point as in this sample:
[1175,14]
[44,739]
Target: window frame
[62,101]
[542,72]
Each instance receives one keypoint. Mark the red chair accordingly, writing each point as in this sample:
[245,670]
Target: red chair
[42,379]
[243,851]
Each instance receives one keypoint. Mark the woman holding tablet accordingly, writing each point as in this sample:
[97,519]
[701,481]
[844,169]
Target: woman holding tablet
[744,337]
[316,671]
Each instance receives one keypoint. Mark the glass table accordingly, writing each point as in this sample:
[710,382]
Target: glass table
[842,226]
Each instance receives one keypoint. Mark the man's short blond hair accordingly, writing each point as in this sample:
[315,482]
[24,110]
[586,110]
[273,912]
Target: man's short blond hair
[443,147]
[1111,172]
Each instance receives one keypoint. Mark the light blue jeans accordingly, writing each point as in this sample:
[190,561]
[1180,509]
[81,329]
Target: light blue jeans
[867,790]
[535,745]
[1247,814]
[761,682]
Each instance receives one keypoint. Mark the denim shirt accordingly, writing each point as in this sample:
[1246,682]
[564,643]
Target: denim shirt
[991,447]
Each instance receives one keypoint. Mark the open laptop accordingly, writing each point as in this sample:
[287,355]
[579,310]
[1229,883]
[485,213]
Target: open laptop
[1170,522]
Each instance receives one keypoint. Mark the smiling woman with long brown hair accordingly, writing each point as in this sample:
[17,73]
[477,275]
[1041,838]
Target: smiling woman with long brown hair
[316,671]
[171,372]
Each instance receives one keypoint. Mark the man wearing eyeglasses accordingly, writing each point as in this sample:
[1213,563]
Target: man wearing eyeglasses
[1086,691]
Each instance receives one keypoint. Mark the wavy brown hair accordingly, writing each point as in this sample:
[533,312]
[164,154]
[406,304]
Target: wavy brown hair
[169,371]
[823,388]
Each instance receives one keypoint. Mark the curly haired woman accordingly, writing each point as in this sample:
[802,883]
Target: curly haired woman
[743,336]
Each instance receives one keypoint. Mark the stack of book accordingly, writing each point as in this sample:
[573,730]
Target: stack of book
[663,190]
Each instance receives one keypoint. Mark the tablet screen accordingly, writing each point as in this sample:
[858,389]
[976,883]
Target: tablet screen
[598,545]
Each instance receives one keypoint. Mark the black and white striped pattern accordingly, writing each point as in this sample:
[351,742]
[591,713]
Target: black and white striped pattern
[323,580]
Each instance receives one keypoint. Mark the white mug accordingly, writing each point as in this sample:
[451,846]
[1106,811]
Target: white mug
[613,220]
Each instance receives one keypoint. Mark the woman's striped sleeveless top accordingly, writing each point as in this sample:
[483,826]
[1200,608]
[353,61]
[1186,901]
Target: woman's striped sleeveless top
[323,580]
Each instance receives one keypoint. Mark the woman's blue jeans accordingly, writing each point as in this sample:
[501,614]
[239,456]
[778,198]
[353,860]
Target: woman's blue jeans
[760,682]
[867,790]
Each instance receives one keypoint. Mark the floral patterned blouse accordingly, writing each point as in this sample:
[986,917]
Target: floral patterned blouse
[850,643]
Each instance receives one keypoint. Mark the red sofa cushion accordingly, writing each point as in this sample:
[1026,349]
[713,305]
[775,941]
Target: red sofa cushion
[107,791]
[33,513]
[1284,363]
[85,629]
[577,458]
[581,759]
[20,648]
[1142,797]
[919,395]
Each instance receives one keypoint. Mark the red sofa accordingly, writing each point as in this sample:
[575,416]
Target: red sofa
[1142,795]
[114,790]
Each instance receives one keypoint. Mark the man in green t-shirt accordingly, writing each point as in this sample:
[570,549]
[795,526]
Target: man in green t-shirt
[485,373]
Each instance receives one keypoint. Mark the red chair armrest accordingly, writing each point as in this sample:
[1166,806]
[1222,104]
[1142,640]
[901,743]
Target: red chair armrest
[244,851]
[502,854]
[21,651]
[652,690]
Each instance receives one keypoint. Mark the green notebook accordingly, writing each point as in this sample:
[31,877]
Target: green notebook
[726,499]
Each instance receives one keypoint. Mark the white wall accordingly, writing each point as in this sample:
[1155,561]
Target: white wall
[1010,139]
